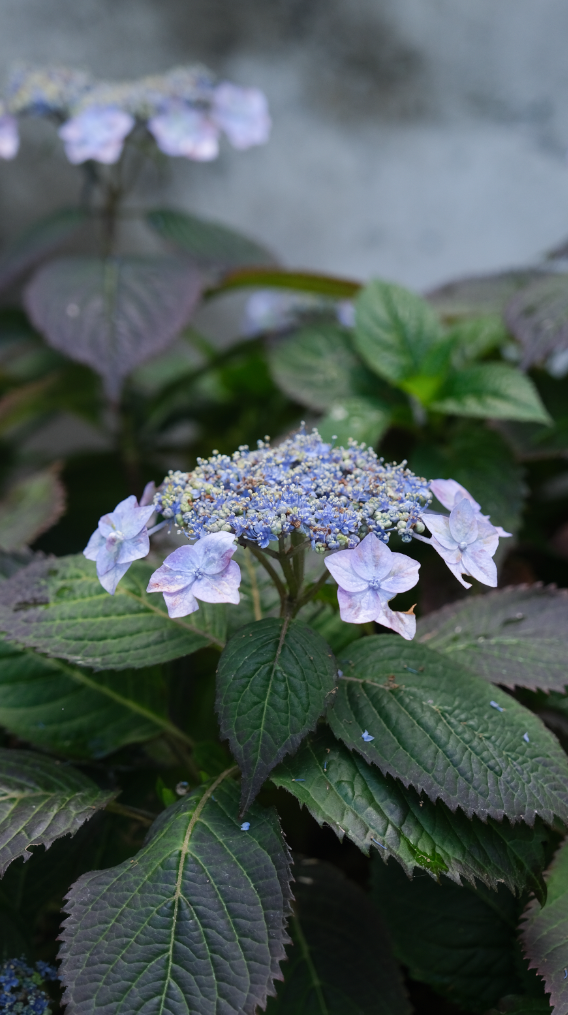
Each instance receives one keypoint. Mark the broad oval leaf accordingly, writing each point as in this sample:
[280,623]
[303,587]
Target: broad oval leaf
[273,684]
[30,507]
[434,728]
[208,243]
[78,713]
[38,241]
[195,924]
[112,314]
[341,961]
[59,607]
[41,800]
[317,366]
[363,419]
[480,294]
[396,331]
[491,391]
[462,941]
[544,933]
[538,318]
[516,636]
[377,812]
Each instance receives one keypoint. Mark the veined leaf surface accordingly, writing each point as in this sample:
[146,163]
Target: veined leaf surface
[544,933]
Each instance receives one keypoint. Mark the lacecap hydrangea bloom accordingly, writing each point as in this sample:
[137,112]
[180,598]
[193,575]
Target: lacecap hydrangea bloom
[21,987]
[333,495]
[185,110]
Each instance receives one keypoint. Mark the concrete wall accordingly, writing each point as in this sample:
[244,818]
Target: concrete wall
[414,139]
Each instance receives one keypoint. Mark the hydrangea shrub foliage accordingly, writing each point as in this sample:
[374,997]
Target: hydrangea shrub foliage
[291,659]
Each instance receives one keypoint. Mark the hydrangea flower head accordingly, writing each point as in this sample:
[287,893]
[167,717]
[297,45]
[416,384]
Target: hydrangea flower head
[466,541]
[46,90]
[9,136]
[120,538]
[242,113]
[181,130]
[20,987]
[333,495]
[98,133]
[203,571]
[368,577]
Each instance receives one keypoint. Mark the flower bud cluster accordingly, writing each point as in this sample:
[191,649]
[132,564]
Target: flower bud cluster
[20,987]
[333,495]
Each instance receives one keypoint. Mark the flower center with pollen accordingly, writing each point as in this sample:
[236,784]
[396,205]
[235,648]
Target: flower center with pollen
[197,574]
[374,583]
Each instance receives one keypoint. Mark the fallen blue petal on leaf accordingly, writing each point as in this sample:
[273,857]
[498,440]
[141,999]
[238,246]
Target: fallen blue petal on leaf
[378,843]
[526,737]
[366,736]
[245,826]
[495,705]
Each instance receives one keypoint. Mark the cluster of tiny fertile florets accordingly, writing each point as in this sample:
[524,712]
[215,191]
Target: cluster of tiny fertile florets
[333,495]
[20,987]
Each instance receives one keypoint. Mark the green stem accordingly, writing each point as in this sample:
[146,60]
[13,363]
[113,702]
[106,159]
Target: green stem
[312,591]
[144,817]
[260,556]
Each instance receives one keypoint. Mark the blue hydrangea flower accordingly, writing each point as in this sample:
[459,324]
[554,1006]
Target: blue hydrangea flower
[180,130]
[242,113]
[9,137]
[98,132]
[204,571]
[120,538]
[333,495]
[20,987]
[466,541]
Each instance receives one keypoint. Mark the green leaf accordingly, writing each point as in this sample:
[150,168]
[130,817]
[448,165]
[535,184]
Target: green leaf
[341,961]
[461,941]
[30,507]
[317,366]
[272,685]
[538,318]
[114,313]
[544,932]
[195,923]
[363,419]
[475,337]
[60,608]
[301,281]
[41,800]
[38,241]
[377,812]
[434,728]
[516,636]
[480,294]
[399,337]
[207,242]
[75,712]
[491,391]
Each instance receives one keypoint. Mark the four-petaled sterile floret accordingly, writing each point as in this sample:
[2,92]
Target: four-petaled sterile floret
[204,571]
[332,495]
[120,538]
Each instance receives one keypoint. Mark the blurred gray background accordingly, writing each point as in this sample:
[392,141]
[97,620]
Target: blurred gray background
[413,139]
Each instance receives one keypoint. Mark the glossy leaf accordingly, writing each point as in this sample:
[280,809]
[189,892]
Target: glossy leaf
[491,391]
[538,318]
[75,712]
[461,941]
[516,636]
[317,366]
[208,243]
[378,813]
[39,240]
[341,961]
[397,333]
[30,507]
[59,607]
[363,419]
[434,728]
[273,683]
[197,922]
[480,294]
[112,314]
[544,933]
[41,800]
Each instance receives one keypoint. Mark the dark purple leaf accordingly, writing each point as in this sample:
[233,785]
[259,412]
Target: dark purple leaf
[538,318]
[113,314]
[481,294]
[37,242]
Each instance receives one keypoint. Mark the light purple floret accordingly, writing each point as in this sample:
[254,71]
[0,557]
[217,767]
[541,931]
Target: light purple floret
[9,137]
[120,538]
[180,130]
[203,571]
[368,577]
[242,113]
[96,133]
[466,541]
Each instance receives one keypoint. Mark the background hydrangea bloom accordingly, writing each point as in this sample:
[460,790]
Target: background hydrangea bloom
[466,541]
[180,130]
[98,132]
[204,571]
[368,577]
[242,113]
[120,538]
[9,137]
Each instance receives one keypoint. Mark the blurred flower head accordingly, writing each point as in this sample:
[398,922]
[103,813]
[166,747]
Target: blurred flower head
[96,133]
[242,113]
[9,136]
[181,130]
